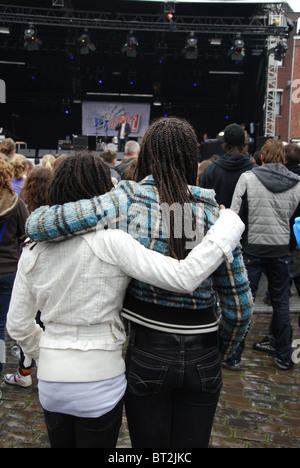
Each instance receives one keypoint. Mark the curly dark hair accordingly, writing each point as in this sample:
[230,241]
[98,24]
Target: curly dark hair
[169,151]
[6,174]
[78,177]
[35,189]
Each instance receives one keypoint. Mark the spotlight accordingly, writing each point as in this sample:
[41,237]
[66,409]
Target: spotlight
[280,50]
[32,42]
[131,46]
[170,16]
[191,47]
[85,44]
[237,50]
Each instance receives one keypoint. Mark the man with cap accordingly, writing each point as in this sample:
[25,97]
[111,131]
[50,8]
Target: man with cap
[223,174]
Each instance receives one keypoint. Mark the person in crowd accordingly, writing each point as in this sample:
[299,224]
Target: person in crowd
[48,161]
[123,129]
[267,199]
[203,165]
[132,150]
[13,215]
[110,158]
[257,158]
[21,168]
[129,173]
[34,194]
[292,162]
[223,174]
[35,190]
[80,365]
[59,158]
[163,325]
[8,148]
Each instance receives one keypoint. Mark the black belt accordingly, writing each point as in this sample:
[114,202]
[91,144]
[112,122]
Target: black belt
[147,337]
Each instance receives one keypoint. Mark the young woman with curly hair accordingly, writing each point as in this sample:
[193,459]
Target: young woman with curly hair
[21,167]
[34,194]
[13,214]
[8,148]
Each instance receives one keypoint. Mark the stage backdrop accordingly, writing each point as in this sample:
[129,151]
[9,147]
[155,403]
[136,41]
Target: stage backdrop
[101,118]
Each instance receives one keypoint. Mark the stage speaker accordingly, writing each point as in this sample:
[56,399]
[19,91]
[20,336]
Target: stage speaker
[260,141]
[92,142]
[210,148]
[80,142]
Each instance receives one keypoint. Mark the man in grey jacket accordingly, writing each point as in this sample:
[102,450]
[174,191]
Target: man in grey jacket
[267,199]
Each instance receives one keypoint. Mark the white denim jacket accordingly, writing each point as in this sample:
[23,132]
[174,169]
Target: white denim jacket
[79,286]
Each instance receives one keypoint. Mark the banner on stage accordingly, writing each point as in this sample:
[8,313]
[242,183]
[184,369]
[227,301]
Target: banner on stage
[101,118]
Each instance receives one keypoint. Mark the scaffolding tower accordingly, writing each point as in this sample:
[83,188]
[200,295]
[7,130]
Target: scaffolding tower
[278,20]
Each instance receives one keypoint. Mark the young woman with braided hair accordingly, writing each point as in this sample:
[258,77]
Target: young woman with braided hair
[79,286]
[171,156]
[176,342]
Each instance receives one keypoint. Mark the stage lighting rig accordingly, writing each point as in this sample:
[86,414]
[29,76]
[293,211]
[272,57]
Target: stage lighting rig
[280,50]
[131,46]
[237,50]
[191,47]
[32,42]
[85,44]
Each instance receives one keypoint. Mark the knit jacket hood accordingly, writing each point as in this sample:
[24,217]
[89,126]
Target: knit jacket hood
[276,177]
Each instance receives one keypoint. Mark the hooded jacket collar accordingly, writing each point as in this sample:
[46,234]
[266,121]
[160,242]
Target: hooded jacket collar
[234,162]
[276,177]
[8,203]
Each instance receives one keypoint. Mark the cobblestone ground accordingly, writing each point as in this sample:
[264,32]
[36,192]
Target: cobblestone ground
[259,406]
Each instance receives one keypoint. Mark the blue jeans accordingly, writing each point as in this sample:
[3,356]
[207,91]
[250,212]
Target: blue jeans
[277,271]
[174,384]
[6,286]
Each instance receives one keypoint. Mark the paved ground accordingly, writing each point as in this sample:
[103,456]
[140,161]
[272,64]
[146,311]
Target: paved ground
[259,406]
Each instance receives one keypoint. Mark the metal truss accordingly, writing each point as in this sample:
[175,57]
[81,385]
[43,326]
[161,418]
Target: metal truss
[270,102]
[64,17]
[272,78]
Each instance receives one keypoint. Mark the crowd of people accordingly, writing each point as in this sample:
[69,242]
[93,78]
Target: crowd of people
[144,258]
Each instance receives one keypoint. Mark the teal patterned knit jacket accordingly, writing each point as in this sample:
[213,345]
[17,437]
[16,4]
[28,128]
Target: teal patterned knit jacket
[134,208]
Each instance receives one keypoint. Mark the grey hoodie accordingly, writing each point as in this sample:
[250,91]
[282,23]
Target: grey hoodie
[276,177]
[267,198]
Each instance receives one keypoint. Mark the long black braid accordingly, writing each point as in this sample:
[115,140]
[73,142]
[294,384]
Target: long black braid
[169,151]
[79,177]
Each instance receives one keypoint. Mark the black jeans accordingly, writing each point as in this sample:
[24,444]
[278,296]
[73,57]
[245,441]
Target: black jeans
[174,384]
[6,286]
[67,431]
[277,271]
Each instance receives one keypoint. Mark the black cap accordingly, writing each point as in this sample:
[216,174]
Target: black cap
[234,135]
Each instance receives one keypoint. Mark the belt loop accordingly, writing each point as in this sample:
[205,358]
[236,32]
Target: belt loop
[132,336]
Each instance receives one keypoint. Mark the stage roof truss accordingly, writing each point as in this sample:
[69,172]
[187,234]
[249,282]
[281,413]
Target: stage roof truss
[256,25]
